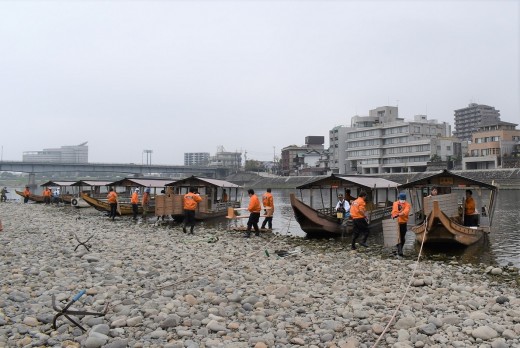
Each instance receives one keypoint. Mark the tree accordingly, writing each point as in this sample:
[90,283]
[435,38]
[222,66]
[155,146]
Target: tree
[254,166]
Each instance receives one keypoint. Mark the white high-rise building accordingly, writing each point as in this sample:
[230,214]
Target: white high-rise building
[384,143]
[64,154]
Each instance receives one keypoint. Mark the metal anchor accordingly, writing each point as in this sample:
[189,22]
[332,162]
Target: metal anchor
[65,312]
[87,246]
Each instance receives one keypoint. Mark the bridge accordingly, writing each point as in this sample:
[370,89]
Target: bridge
[131,169]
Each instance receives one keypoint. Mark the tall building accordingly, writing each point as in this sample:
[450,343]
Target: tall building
[338,150]
[64,154]
[384,143]
[469,119]
[196,158]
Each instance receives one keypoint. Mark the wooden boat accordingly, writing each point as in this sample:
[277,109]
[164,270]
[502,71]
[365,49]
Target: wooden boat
[92,187]
[32,197]
[65,196]
[211,191]
[103,205]
[439,219]
[322,221]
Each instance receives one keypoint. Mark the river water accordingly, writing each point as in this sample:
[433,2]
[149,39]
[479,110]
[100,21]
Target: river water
[501,247]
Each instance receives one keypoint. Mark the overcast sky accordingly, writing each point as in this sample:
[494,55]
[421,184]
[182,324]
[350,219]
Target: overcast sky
[255,76]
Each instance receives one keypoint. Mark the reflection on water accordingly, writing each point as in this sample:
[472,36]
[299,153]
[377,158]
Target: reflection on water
[502,246]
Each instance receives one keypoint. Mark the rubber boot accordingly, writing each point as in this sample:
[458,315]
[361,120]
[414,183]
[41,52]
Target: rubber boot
[247,234]
[191,229]
[184,228]
[400,249]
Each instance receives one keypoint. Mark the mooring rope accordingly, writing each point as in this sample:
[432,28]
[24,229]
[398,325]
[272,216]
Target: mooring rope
[407,288]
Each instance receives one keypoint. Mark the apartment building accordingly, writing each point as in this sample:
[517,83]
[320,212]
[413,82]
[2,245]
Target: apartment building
[384,143]
[64,154]
[469,119]
[490,144]
[196,158]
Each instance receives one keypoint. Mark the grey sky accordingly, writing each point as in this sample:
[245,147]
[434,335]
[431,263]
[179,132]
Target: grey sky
[188,76]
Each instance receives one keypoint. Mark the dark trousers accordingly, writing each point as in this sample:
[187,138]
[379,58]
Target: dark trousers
[402,236]
[135,210]
[26,199]
[471,220]
[253,221]
[46,200]
[189,218]
[113,210]
[360,229]
[269,221]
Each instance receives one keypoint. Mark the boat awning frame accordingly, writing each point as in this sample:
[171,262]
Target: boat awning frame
[142,182]
[57,183]
[198,181]
[335,181]
[445,178]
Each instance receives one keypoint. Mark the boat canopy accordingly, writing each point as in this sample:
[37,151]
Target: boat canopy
[91,183]
[57,183]
[334,181]
[446,178]
[142,182]
[197,181]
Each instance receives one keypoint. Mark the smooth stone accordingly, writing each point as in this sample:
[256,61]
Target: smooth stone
[484,333]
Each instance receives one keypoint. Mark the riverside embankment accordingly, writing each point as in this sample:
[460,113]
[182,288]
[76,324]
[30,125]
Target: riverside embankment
[504,178]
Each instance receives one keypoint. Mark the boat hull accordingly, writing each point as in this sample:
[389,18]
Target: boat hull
[313,222]
[438,228]
[32,197]
[124,208]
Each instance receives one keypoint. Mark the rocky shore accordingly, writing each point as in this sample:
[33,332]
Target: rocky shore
[163,288]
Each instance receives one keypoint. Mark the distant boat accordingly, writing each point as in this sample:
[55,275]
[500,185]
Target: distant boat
[64,196]
[211,191]
[322,221]
[440,219]
[94,191]
[32,197]
[103,205]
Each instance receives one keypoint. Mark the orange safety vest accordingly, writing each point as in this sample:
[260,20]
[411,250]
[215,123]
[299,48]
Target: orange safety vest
[254,205]
[191,200]
[267,200]
[135,198]
[469,206]
[47,193]
[112,197]
[26,192]
[146,198]
[358,208]
[402,215]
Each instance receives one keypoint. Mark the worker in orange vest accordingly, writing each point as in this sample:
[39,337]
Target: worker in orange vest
[135,203]
[47,195]
[268,203]
[401,210]
[146,203]
[254,216]
[112,199]
[360,220]
[26,194]
[191,199]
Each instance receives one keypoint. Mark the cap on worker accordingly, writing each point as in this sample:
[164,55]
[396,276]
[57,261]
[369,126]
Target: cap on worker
[148,189]
[402,196]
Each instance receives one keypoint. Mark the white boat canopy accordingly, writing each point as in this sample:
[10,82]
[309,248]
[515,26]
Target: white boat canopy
[334,181]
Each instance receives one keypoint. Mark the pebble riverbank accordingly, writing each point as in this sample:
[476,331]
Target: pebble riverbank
[164,288]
